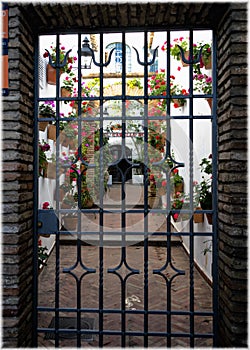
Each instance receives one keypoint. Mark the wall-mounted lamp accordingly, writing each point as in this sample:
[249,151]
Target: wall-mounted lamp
[86,54]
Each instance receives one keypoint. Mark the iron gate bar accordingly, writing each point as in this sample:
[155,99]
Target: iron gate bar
[192,335]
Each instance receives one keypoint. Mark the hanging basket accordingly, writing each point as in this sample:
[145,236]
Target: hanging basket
[51,74]
[52,132]
[198,217]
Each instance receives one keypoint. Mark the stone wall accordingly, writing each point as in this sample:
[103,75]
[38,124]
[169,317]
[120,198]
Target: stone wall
[17,174]
[232,179]
[17,190]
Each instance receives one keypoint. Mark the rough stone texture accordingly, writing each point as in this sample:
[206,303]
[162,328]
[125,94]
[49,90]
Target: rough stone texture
[26,20]
[232,178]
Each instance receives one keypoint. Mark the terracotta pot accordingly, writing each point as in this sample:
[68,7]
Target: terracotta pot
[186,55]
[64,140]
[70,222]
[42,125]
[179,187]
[51,170]
[72,145]
[210,102]
[52,132]
[208,65]
[43,169]
[88,204]
[209,218]
[51,74]
[153,201]
[65,92]
[161,191]
[198,217]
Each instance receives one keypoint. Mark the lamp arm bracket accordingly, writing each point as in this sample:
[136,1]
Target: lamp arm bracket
[190,61]
[146,63]
[60,65]
[99,64]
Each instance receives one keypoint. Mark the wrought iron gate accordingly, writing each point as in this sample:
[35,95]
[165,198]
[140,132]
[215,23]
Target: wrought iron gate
[121,263]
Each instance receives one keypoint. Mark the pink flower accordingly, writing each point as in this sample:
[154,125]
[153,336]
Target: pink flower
[178,68]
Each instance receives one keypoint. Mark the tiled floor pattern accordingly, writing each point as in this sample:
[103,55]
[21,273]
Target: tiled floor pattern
[89,288]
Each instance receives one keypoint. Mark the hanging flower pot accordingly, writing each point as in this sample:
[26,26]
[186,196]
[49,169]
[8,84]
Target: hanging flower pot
[153,201]
[198,217]
[51,170]
[51,74]
[210,102]
[65,92]
[42,125]
[43,168]
[208,62]
[209,218]
[70,222]
[179,187]
[186,55]
[52,132]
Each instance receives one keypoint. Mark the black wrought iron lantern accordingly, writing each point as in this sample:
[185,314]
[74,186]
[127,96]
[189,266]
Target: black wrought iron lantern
[86,55]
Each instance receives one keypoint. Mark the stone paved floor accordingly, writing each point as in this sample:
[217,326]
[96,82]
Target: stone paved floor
[158,299]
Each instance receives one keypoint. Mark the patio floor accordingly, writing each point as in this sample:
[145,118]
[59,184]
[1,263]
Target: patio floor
[134,293]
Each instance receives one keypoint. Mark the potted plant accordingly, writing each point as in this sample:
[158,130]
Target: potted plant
[63,189]
[46,110]
[70,131]
[51,72]
[205,60]
[42,255]
[177,181]
[177,204]
[158,87]
[175,50]
[205,187]
[69,201]
[203,84]
[67,86]
[43,162]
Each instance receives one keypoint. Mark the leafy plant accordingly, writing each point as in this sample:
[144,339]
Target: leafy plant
[47,109]
[202,83]
[69,82]
[43,148]
[205,186]
[42,254]
[62,52]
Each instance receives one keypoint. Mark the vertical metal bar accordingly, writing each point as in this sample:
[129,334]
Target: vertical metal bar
[145,246]
[214,194]
[168,219]
[123,208]
[57,277]
[35,200]
[191,237]
[101,214]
